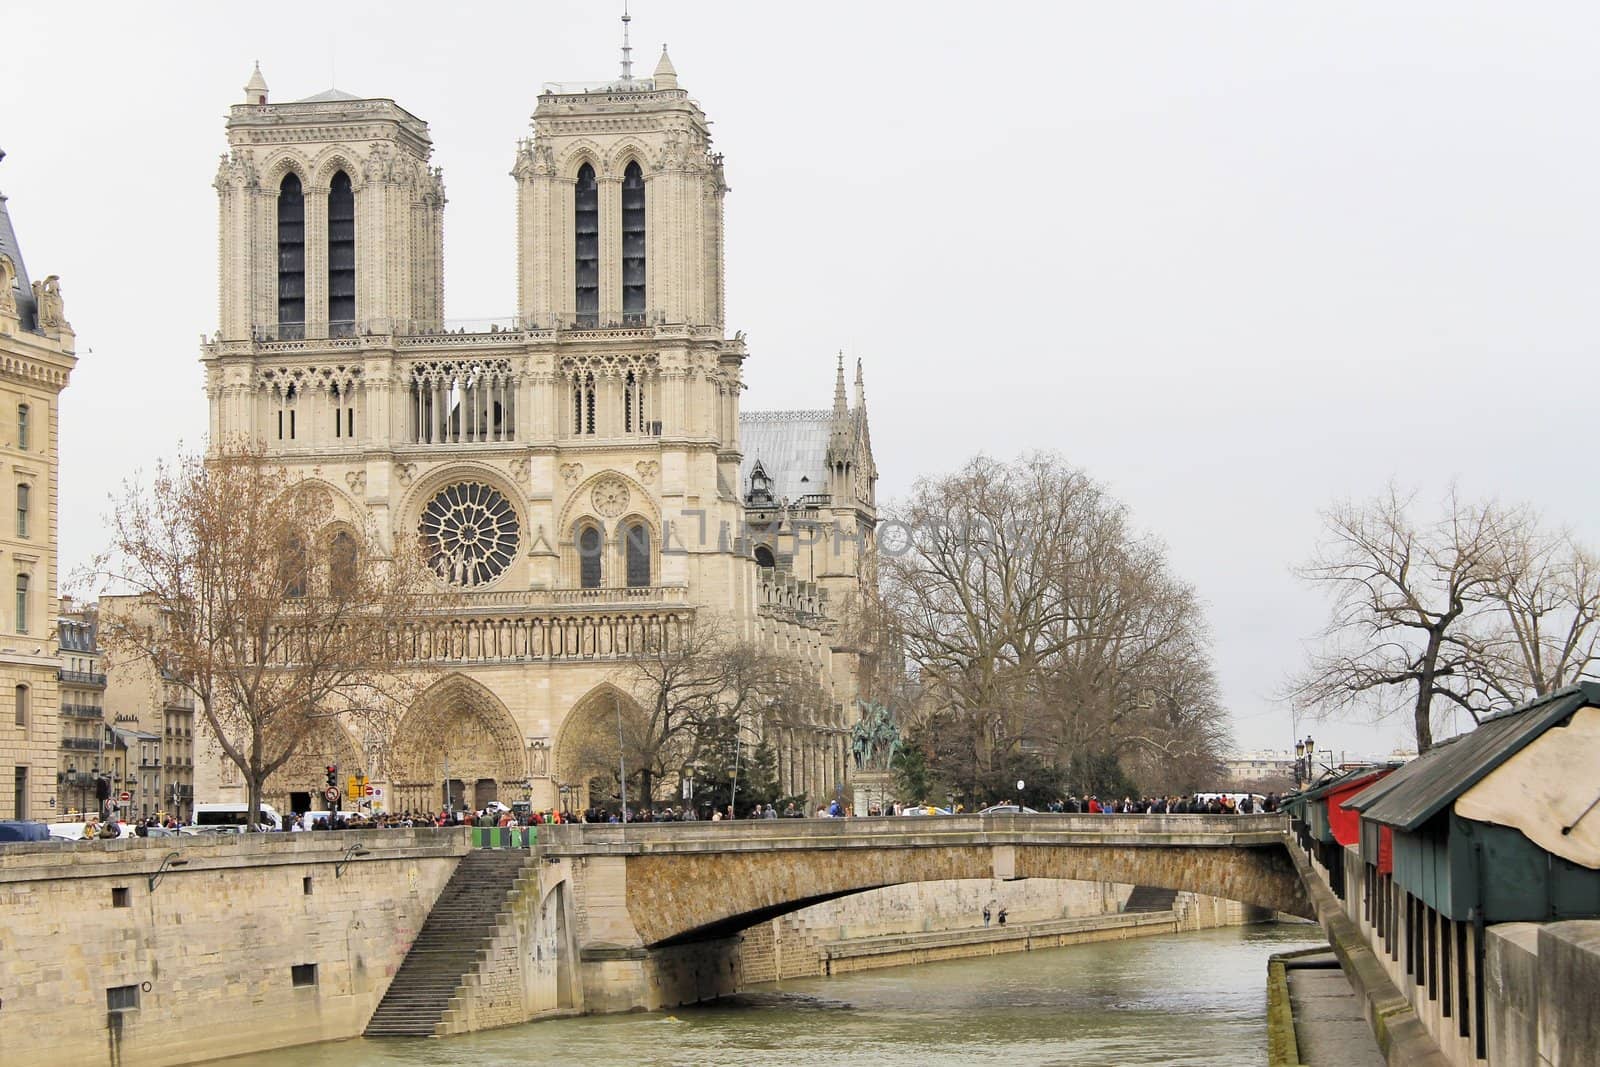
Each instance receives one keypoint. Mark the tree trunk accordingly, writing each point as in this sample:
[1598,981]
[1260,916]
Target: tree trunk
[253,807]
[1422,714]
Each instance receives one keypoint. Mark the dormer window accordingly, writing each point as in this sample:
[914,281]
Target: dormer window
[760,486]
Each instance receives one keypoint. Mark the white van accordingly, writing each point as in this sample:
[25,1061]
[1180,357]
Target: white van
[233,815]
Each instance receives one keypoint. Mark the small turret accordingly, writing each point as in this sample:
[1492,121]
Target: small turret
[255,90]
[666,75]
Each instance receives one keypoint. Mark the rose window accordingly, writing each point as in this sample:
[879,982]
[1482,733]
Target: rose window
[469,532]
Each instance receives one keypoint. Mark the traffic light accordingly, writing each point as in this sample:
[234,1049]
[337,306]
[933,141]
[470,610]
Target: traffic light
[333,775]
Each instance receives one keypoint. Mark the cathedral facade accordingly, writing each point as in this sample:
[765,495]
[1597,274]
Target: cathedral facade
[576,469]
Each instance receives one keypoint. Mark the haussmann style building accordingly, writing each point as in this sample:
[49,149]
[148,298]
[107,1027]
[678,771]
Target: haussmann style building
[581,469]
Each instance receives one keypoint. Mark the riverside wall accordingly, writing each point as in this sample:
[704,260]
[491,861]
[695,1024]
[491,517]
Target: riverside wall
[256,942]
[926,921]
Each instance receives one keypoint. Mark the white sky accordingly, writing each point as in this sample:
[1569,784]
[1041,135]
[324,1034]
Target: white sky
[1234,259]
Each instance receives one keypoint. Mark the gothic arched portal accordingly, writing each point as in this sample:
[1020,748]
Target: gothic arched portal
[460,732]
[591,737]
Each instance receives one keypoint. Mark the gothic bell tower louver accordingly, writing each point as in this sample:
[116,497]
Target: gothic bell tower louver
[331,218]
[574,183]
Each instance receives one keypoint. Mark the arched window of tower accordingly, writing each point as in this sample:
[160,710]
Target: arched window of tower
[291,258]
[586,247]
[633,244]
[589,549]
[341,257]
[636,549]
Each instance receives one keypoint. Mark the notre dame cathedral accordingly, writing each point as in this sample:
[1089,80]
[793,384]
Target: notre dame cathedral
[582,468]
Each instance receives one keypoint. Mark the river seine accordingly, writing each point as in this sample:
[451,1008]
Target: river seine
[1172,1001]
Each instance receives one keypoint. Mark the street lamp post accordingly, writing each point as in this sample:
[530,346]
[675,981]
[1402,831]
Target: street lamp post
[1019,796]
[622,768]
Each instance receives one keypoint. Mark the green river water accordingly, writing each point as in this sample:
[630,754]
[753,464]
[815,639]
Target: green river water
[1173,1000]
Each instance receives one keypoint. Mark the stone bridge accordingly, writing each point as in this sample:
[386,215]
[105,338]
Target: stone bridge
[652,911]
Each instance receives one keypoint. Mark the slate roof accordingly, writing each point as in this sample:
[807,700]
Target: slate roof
[23,290]
[792,448]
[1422,788]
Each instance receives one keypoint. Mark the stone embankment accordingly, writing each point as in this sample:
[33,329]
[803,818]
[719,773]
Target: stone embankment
[924,922]
[159,951]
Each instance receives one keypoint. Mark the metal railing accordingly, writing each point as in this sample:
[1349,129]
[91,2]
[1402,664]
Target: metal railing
[81,677]
[81,744]
[82,711]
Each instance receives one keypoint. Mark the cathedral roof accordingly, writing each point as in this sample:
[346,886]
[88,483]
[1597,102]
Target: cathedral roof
[790,446]
[328,96]
[22,290]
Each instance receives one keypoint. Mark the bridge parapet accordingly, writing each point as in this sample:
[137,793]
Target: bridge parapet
[777,835]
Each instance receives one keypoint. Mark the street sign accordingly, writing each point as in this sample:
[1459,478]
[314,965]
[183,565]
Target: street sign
[125,796]
[332,796]
[374,791]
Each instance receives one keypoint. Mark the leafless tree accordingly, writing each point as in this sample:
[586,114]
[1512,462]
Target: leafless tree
[1409,602]
[1043,624]
[692,687]
[255,598]
[1543,631]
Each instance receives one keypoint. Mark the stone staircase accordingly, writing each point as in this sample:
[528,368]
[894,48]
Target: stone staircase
[451,943]
[1149,898]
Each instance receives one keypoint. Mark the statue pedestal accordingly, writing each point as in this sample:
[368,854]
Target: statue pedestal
[872,787]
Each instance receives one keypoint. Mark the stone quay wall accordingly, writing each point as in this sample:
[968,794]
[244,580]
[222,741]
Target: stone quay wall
[925,921]
[254,942]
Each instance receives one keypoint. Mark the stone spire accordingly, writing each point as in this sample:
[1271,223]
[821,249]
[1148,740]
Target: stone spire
[255,90]
[666,75]
[839,429]
[861,390]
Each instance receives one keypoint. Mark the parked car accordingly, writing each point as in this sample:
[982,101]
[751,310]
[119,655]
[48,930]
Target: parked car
[925,809]
[1007,809]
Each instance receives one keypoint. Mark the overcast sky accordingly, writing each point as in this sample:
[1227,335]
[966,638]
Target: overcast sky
[1235,260]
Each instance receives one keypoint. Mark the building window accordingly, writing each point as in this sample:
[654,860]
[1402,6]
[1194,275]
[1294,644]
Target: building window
[122,998]
[22,705]
[19,796]
[23,491]
[589,549]
[633,405]
[303,974]
[22,427]
[292,569]
[120,897]
[764,558]
[341,257]
[633,291]
[636,550]
[586,246]
[22,603]
[583,404]
[342,564]
[291,258]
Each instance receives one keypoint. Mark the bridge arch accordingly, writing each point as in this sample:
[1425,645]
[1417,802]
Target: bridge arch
[703,886]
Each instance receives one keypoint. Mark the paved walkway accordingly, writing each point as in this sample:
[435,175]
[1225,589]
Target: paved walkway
[1328,1024]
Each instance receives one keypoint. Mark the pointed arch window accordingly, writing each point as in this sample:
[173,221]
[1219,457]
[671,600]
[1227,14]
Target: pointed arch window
[341,256]
[292,569]
[291,257]
[633,243]
[636,552]
[764,558]
[589,549]
[342,562]
[586,246]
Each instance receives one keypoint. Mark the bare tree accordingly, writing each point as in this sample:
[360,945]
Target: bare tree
[1408,600]
[254,597]
[1043,628]
[693,689]
[1544,630]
